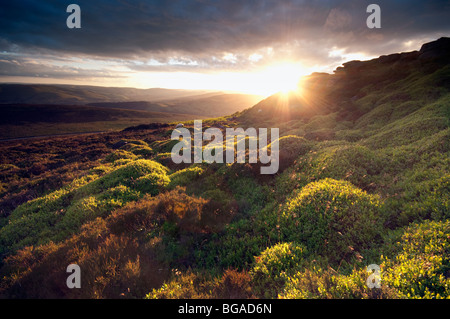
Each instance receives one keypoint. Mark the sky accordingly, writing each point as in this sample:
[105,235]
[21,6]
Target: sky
[257,46]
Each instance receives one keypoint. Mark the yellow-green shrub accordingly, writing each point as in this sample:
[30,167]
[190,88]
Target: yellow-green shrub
[421,269]
[185,176]
[317,283]
[272,267]
[332,218]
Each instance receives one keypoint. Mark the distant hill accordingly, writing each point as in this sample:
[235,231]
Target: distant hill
[201,102]
[37,109]
[211,105]
[84,94]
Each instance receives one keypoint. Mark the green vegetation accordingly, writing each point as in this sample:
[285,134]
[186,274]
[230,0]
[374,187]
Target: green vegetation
[61,213]
[333,218]
[421,268]
[363,179]
[273,266]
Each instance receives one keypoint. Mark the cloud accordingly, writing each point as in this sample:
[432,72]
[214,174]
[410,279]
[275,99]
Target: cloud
[207,36]
[48,67]
[338,19]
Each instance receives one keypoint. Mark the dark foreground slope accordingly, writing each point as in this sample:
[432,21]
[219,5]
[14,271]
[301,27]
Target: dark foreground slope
[29,120]
[364,157]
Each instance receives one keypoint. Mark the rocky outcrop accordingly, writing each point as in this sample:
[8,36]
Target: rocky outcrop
[436,50]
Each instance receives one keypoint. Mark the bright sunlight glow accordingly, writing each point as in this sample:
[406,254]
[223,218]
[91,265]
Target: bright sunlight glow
[280,77]
[283,77]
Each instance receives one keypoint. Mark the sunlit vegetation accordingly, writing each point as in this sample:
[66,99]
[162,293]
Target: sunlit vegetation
[363,179]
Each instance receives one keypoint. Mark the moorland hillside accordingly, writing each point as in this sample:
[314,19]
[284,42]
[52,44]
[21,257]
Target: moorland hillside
[363,179]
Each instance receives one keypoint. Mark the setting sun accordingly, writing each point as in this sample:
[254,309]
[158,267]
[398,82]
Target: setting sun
[283,77]
[280,77]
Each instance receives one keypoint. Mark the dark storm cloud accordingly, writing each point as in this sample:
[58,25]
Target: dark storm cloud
[199,31]
[118,28]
